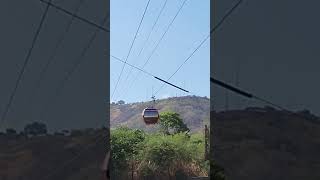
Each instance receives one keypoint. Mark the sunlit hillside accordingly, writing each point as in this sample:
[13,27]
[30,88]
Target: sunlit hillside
[194,110]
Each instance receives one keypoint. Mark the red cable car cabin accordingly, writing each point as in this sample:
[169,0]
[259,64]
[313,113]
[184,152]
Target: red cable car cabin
[150,115]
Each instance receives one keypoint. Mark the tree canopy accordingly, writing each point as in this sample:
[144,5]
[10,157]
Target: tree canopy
[171,123]
[125,143]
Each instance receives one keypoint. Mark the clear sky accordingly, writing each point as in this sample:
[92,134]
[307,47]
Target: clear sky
[190,27]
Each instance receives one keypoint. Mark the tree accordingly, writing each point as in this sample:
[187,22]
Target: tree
[35,129]
[125,145]
[171,121]
[121,102]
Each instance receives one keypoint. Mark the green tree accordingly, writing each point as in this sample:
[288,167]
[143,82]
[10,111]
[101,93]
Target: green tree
[125,145]
[171,123]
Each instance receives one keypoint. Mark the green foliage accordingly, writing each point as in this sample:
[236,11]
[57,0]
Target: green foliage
[171,121]
[205,165]
[160,152]
[164,154]
[157,154]
[125,145]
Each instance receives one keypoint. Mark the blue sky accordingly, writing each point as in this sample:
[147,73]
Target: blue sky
[190,27]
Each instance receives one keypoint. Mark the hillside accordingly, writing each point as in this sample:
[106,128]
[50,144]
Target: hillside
[194,110]
[75,157]
[250,144]
[266,144]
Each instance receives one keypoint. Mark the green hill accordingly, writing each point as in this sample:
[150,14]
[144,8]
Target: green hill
[194,110]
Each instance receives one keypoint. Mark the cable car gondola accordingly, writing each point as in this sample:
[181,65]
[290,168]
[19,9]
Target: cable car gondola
[150,115]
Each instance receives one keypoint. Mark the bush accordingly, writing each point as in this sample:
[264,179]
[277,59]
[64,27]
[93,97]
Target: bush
[163,154]
[125,144]
[157,154]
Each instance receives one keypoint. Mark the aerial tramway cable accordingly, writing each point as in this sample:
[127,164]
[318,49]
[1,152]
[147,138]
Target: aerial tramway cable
[26,61]
[54,53]
[76,16]
[160,79]
[157,45]
[215,28]
[75,65]
[148,36]
[132,43]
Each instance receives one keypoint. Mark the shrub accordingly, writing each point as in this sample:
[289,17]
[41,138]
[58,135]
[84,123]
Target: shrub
[125,144]
[164,154]
[157,154]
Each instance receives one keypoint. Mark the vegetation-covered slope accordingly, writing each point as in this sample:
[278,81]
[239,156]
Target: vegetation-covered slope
[266,144]
[74,157]
[195,111]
